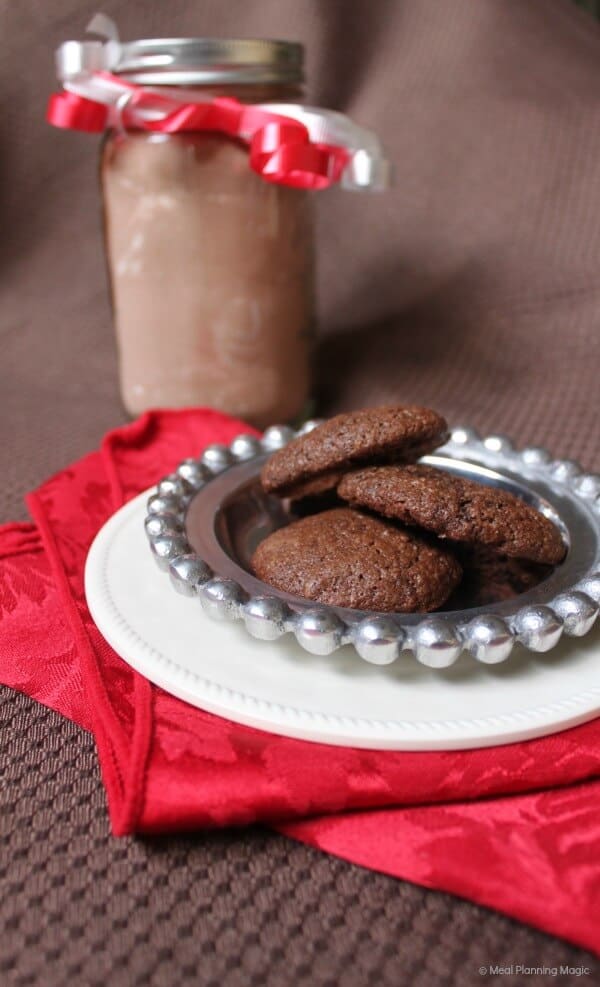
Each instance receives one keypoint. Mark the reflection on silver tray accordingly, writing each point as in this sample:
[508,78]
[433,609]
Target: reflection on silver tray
[206,519]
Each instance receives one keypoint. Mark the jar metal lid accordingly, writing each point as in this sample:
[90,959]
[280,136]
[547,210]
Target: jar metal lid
[206,61]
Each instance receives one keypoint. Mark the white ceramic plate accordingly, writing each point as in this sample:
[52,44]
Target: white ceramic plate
[338,699]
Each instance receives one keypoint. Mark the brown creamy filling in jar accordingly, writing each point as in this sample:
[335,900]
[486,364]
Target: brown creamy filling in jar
[211,272]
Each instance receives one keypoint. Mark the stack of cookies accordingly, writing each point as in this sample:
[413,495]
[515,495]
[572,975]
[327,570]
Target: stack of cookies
[393,535]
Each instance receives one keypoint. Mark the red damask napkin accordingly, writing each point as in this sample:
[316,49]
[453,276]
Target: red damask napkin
[168,766]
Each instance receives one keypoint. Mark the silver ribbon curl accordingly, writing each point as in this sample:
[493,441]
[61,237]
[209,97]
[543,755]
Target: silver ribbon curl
[79,68]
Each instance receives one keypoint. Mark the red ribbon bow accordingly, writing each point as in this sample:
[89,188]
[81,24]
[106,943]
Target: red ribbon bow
[281,150]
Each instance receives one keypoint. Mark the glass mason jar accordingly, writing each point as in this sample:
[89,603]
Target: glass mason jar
[211,268]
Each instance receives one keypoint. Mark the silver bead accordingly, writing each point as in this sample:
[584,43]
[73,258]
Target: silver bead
[167,548]
[187,573]
[221,598]
[564,470]
[436,643]
[160,525]
[276,437]
[216,458]
[194,473]
[166,504]
[538,628]
[265,617]
[578,612]
[588,486]
[174,486]
[245,447]
[318,631]
[309,426]
[535,456]
[462,436]
[591,586]
[498,443]
[378,640]
[489,639]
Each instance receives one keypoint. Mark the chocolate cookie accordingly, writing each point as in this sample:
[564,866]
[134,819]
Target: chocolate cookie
[347,559]
[456,508]
[490,578]
[315,462]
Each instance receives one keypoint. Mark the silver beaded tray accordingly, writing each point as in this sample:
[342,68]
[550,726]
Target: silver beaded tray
[205,520]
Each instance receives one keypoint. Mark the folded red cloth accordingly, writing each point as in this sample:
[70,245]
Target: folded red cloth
[167,765]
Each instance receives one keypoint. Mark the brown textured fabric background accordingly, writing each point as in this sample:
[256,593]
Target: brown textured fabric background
[473,285]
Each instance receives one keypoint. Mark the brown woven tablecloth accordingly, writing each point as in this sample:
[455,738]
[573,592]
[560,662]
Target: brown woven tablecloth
[473,286]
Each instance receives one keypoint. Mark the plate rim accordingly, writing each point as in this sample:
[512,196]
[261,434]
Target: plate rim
[447,734]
